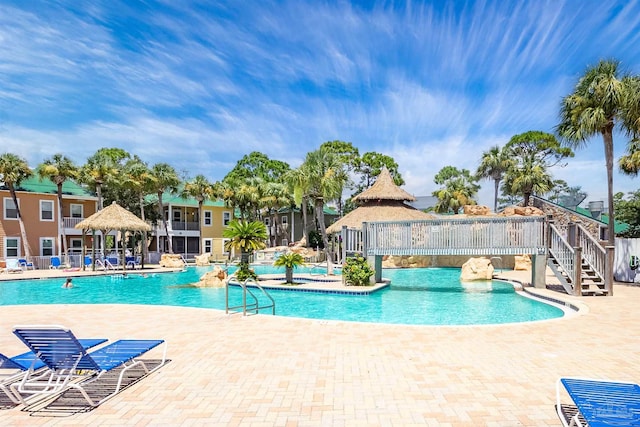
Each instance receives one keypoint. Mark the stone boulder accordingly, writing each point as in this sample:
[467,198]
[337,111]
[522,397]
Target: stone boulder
[476,210]
[476,269]
[171,261]
[203,260]
[522,262]
[212,279]
[522,211]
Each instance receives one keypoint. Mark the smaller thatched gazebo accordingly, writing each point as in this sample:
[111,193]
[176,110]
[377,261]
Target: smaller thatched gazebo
[383,201]
[113,217]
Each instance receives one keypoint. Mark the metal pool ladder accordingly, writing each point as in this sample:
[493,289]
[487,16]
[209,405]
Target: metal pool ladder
[252,307]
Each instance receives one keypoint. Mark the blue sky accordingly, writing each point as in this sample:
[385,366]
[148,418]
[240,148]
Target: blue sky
[200,84]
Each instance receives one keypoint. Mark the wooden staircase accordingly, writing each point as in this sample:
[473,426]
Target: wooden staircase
[591,282]
[580,262]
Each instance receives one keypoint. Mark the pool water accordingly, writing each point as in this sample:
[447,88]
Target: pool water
[428,296]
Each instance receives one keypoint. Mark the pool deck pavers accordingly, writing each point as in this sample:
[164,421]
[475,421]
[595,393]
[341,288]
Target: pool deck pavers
[229,370]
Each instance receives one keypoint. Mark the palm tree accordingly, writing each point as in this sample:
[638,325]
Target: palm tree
[13,170]
[273,196]
[138,178]
[246,237]
[528,177]
[494,163]
[602,99]
[200,189]
[326,178]
[298,182]
[59,169]
[102,167]
[289,261]
[165,178]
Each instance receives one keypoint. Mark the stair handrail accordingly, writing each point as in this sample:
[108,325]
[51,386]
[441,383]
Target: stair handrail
[592,251]
[254,306]
[563,253]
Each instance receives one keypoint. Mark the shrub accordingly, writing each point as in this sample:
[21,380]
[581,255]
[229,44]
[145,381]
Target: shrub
[356,271]
[244,272]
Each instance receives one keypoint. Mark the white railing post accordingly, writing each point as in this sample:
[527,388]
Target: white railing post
[608,270]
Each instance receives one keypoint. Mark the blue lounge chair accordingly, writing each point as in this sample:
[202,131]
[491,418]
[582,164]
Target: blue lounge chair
[71,366]
[600,403]
[12,368]
[26,264]
[55,262]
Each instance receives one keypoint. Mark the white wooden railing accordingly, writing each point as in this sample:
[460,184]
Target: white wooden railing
[456,236]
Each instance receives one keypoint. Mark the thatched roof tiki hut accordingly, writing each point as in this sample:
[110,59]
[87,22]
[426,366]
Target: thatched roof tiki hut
[113,217]
[383,201]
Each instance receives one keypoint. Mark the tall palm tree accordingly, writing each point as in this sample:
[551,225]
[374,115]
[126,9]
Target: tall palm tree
[13,170]
[165,178]
[298,182]
[139,179]
[493,165]
[273,196]
[200,189]
[59,169]
[102,167]
[602,99]
[326,179]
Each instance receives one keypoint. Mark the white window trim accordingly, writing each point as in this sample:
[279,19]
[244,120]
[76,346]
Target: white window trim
[225,240]
[81,209]
[284,219]
[53,245]
[4,209]
[267,221]
[228,214]
[53,211]
[204,245]
[207,215]
[74,239]
[18,253]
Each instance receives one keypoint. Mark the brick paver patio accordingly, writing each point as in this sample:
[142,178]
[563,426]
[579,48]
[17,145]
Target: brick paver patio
[262,370]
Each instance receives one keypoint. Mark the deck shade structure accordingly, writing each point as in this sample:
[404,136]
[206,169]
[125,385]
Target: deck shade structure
[383,201]
[113,217]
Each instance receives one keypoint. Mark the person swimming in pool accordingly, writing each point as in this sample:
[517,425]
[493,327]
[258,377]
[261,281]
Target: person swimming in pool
[67,284]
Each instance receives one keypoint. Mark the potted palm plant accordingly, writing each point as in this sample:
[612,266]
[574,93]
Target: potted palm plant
[289,261]
[246,237]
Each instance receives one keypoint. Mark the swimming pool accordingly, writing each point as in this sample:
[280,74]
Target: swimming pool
[429,296]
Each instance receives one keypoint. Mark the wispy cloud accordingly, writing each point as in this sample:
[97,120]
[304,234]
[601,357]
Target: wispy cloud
[200,84]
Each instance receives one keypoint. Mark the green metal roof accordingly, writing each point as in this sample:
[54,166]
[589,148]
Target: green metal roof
[619,226]
[45,186]
[328,210]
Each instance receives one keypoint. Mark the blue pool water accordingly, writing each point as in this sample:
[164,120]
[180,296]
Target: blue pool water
[430,296]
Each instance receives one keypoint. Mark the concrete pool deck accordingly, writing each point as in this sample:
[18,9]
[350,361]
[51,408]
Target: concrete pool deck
[267,371]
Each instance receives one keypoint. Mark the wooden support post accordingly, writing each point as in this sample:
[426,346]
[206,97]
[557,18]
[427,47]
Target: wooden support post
[577,273]
[608,269]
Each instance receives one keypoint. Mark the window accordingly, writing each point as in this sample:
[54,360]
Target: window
[207,218]
[224,242]
[285,220]
[226,218]
[177,215]
[10,211]
[267,221]
[77,211]
[207,245]
[75,245]
[46,210]
[11,247]
[46,246]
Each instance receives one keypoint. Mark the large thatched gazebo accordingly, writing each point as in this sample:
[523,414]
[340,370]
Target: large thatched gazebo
[383,201]
[113,217]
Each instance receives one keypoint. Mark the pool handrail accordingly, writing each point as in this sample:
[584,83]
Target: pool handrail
[255,306]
